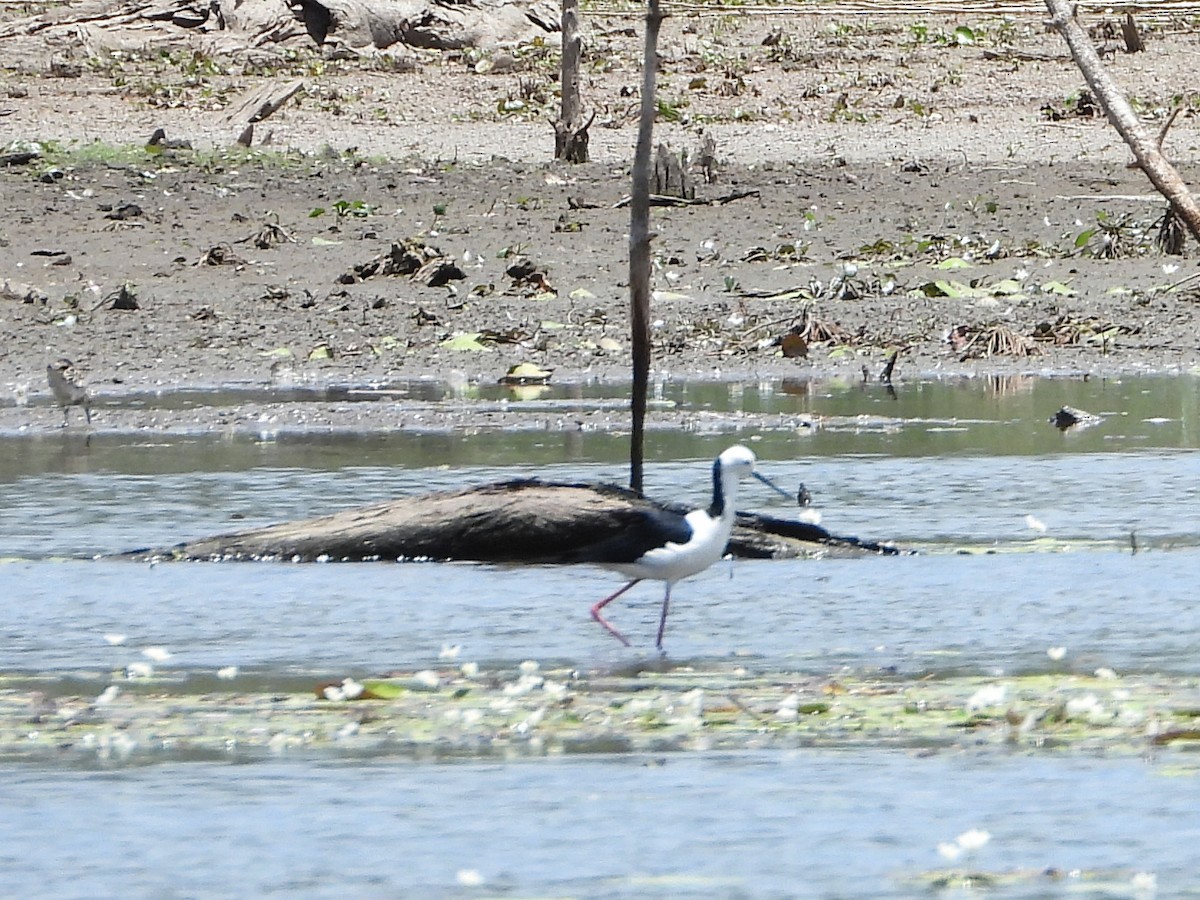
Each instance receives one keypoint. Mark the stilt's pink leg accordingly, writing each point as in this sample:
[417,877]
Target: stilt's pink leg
[662,622]
[608,625]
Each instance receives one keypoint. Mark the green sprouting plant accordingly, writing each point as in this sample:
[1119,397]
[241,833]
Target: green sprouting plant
[667,111]
[844,111]
[952,78]
[839,33]
[962,36]
[1115,237]
[1004,33]
[917,108]
[978,205]
[881,247]
[357,208]
[199,64]
[787,252]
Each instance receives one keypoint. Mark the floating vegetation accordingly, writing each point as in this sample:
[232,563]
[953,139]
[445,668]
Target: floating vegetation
[466,711]
[1091,882]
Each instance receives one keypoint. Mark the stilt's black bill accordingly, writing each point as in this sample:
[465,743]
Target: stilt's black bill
[772,485]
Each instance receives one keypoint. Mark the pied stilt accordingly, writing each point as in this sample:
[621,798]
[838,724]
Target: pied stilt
[669,547]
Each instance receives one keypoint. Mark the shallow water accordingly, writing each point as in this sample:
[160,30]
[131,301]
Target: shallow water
[917,615]
[809,823]
[953,470]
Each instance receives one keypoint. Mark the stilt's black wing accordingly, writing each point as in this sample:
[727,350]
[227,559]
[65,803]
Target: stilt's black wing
[623,536]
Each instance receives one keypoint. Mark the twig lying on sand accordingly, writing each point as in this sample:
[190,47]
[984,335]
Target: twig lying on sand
[663,200]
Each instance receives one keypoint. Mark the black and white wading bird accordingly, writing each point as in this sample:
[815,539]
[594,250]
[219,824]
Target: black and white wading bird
[69,387]
[670,547]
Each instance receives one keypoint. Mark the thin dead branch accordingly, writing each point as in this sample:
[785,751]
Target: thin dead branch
[1166,126]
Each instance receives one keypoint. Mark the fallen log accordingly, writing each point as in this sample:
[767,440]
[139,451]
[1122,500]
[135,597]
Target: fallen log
[250,28]
[522,521]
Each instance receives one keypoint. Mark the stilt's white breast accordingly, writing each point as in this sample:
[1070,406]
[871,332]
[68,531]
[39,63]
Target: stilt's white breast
[672,561]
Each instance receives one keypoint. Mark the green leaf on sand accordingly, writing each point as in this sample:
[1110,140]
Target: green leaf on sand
[467,341]
[1057,287]
[954,262]
[954,289]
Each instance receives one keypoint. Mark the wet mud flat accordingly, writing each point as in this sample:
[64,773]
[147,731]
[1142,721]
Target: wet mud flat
[826,271]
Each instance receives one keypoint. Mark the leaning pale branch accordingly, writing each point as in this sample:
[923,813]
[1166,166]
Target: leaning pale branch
[1145,149]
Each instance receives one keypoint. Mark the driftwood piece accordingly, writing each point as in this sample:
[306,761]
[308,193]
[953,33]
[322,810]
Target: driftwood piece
[19,158]
[671,176]
[523,521]
[426,24]
[1009,54]
[260,103]
[412,257]
[68,16]
[1145,150]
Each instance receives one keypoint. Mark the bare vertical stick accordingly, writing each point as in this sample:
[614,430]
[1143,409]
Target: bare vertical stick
[570,131]
[1145,150]
[639,248]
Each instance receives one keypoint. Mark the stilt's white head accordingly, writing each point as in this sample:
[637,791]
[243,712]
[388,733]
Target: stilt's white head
[737,461]
[730,467]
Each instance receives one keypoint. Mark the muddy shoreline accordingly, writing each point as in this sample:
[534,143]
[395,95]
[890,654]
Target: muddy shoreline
[859,262]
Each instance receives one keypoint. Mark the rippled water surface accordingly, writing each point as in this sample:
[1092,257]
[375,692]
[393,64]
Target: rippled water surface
[812,824]
[1027,539]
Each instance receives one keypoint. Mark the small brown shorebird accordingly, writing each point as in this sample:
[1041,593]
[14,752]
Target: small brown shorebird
[69,387]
